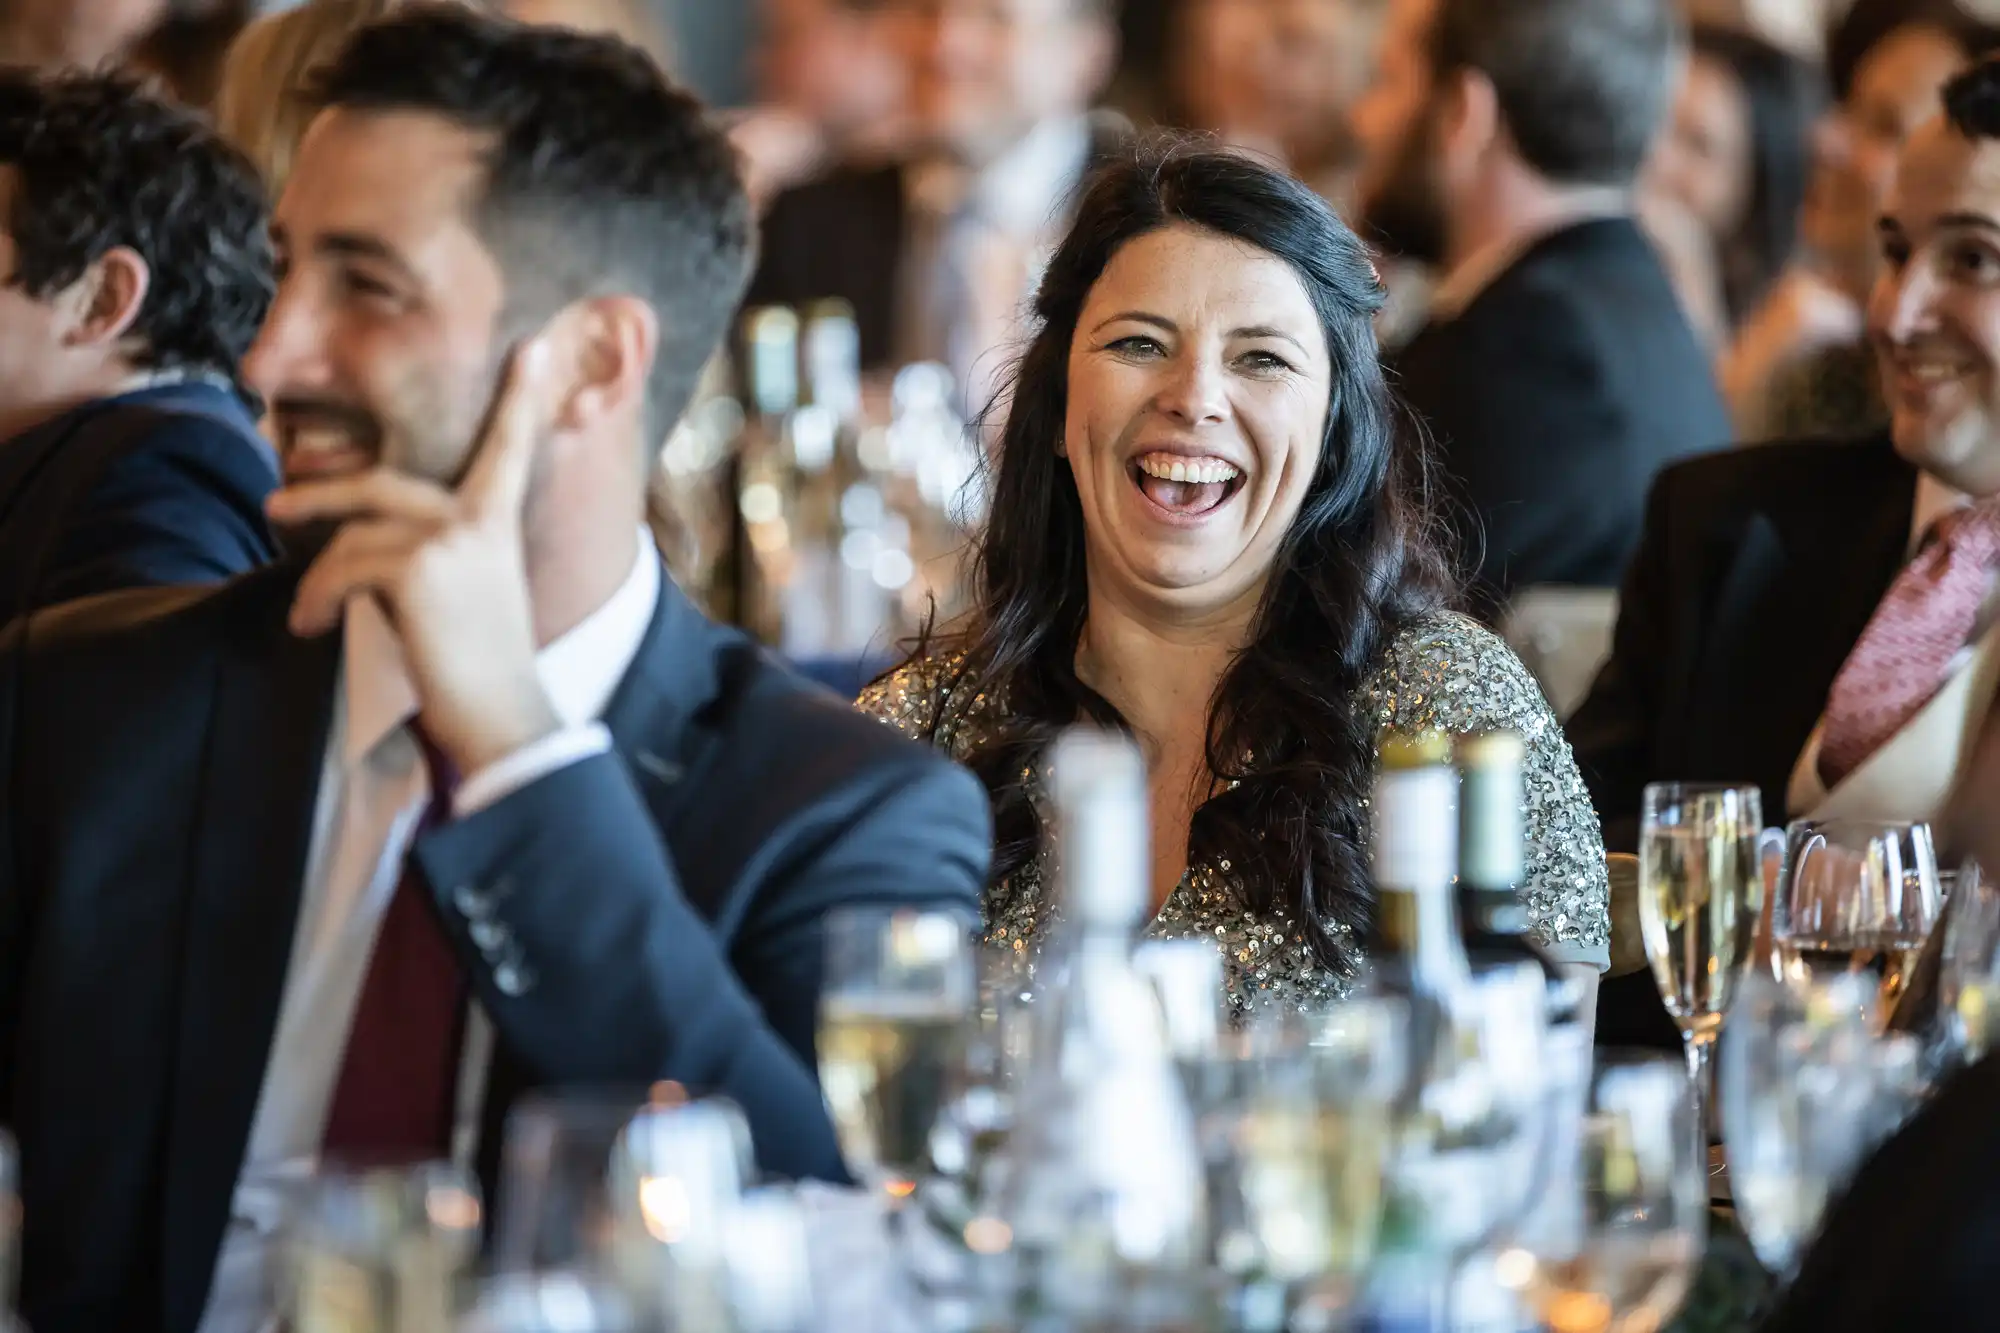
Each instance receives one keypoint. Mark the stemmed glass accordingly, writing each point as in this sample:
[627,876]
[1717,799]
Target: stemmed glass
[899,996]
[620,1205]
[1700,892]
[1855,896]
[1628,1258]
[1809,1089]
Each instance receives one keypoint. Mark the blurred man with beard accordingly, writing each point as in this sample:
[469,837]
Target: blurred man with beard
[341,861]
[1503,143]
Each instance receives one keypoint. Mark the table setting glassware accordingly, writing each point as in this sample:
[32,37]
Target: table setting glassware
[1700,895]
[1855,896]
[1810,1087]
[1627,1260]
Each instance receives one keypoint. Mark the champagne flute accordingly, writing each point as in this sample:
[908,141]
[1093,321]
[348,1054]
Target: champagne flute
[1627,1261]
[1700,892]
[1855,896]
[899,995]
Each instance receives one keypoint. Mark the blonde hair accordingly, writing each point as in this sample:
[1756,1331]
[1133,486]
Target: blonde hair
[635,22]
[263,106]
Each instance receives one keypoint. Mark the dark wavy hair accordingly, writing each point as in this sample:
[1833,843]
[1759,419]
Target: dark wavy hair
[1784,98]
[99,163]
[1292,753]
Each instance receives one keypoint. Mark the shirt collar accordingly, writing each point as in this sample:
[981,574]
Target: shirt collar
[580,671]
[1484,266]
[1934,501]
[1018,192]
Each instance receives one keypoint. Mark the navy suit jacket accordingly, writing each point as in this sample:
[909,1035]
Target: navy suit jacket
[179,498]
[1555,397]
[663,903]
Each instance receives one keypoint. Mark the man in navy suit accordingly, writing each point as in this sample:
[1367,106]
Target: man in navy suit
[134,271]
[342,859]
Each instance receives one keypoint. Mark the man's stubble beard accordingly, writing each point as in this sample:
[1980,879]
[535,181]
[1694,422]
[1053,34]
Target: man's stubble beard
[1404,214]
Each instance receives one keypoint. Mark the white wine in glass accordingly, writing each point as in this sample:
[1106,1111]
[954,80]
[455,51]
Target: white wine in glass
[885,1065]
[1856,897]
[1701,888]
[900,994]
[1888,955]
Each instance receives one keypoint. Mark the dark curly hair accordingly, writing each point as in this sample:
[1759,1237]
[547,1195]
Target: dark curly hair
[601,175]
[1364,556]
[1972,101]
[99,163]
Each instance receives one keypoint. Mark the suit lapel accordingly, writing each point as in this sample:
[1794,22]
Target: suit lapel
[1795,593]
[260,784]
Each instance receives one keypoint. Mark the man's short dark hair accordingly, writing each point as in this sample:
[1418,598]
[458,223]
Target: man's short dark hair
[601,177]
[99,163]
[1972,101]
[1583,85]
[1867,24]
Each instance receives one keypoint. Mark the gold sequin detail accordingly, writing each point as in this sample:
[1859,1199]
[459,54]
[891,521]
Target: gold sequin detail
[1445,674]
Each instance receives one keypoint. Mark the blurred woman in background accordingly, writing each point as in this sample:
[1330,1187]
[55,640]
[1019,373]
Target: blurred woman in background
[1736,156]
[264,104]
[1799,367]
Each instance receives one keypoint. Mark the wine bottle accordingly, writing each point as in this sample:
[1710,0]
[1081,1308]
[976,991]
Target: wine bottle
[1105,1206]
[1415,946]
[1492,864]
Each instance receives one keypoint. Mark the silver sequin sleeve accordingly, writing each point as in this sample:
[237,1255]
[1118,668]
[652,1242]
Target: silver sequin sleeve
[1452,675]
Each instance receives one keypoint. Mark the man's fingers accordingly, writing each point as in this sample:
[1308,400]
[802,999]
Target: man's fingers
[503,460]
[377,493]
[363,557]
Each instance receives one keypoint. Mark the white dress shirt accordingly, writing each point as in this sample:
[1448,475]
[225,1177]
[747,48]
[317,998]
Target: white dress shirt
[373,791]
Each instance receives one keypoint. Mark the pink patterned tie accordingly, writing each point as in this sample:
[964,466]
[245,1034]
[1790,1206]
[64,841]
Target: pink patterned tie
[1900,662]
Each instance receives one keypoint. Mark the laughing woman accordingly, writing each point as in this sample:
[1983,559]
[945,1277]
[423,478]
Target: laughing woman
[1208,529]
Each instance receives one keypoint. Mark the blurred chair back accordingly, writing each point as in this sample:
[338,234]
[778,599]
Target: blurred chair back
[1563,636]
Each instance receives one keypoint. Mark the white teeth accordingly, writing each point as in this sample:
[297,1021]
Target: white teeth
[314,439]
[1201,471]
[1936,374]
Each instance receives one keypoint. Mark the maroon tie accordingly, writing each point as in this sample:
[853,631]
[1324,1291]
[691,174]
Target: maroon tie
[393,1102]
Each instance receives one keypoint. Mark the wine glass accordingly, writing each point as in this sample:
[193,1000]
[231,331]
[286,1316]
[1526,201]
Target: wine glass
[1628,1259]
[623,1197]
[899,995]
[1809,1090]
[1968,982]
[1700,892]
[1855,896]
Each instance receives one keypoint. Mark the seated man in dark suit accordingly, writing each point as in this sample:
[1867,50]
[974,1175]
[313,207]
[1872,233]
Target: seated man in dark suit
[1557,371]
[1818,619]
[344,858]
[936,252]
[136,271]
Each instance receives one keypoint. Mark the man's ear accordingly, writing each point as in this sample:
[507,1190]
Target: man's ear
[609,343]
[101,306]
[1468,111]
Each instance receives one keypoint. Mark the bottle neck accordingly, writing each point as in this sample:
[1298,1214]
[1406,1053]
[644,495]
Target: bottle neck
[1417,931]
[1492,911]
